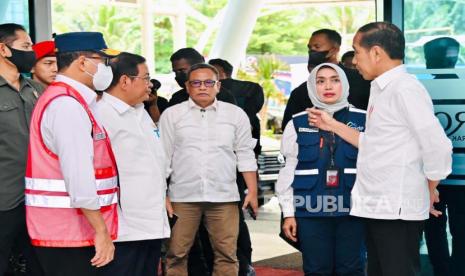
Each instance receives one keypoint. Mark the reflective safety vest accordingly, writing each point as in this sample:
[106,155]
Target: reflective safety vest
[51,219]
[313,196]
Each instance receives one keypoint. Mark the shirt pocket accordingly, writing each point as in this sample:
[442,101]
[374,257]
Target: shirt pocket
[350,154]
[305,179]
[225,135]
[9,117]
[309,149]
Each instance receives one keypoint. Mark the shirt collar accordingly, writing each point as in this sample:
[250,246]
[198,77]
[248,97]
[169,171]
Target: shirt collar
[22,82]
[384,79]
[119,105]
[88,94]
[213,106]
[3,81]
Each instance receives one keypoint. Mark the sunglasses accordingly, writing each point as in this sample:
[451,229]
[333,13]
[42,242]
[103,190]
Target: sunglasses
[198,83]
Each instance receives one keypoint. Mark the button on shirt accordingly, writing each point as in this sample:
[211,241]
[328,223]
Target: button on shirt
[66,129]
[15,114]
[204,147]
[403,146]
[141,164]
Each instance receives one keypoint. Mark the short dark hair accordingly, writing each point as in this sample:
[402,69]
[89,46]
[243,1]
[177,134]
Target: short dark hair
[332,35]
[348,54]
[189,54]
[202,66]
[156,84]
[227,67]
[385,35]
[125,64]
[441,52]
[64,59]
[8,32]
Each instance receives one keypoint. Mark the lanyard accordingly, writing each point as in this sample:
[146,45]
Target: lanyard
[332,148]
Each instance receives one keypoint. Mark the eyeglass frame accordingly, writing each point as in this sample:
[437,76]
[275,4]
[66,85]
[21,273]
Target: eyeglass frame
[147,78]
[106,61]
[203,82]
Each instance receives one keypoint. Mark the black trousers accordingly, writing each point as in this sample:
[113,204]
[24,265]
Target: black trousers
[139,258]
[444,262]
[393,247]
[67,261]
[13,234]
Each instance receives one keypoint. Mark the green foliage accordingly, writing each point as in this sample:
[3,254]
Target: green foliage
[287,32]
[263,72]
[118,24]
[283,32]
[208,7]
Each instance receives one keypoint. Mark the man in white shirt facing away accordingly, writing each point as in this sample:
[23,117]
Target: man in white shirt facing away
[403,153]
[205,140]
[141,161]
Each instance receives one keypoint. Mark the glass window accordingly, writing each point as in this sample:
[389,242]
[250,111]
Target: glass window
[425,20]
[15,11]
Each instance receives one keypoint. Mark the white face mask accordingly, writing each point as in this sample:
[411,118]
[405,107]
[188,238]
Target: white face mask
[102,78]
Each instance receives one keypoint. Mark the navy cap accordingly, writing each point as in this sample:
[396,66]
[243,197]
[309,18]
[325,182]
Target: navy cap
[83,41]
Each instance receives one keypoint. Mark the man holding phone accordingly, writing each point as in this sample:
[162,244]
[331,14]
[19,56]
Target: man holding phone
[205,141]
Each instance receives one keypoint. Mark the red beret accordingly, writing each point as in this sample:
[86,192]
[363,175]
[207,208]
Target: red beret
[44,49]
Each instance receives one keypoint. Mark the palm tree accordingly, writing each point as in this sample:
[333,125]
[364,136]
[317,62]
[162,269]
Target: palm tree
[263,72]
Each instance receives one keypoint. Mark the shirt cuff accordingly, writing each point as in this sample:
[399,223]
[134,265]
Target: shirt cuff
[249,165]
[437,176]
[91,203]
[287,205]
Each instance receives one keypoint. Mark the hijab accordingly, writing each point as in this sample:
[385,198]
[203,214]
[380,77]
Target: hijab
[341,103]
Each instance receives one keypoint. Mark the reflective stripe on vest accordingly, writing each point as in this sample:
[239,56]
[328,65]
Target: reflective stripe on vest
[56,185]
[64,201]
[350,171]
[315,171]
[306,172]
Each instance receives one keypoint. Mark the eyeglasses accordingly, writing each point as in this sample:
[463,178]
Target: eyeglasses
[198,83]
[106,61]
[146,78]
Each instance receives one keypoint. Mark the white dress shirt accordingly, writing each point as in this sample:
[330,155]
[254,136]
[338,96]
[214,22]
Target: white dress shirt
[403,146]
[141,169]
[283,188]
[204,146]
[66,130]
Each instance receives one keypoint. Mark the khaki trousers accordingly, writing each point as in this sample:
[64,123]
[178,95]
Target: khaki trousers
[222,223]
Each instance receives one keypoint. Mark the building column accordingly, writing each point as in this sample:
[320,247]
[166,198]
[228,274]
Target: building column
[234,34]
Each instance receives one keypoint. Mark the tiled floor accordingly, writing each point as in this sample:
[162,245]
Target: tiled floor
[272,256]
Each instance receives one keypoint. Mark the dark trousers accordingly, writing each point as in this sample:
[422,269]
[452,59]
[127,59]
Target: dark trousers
[13,234]
[393,247]
[244,245]
[331,245]
[139,258]
[444,262]
[66,261]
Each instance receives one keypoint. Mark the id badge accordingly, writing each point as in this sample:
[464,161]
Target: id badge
[332,178]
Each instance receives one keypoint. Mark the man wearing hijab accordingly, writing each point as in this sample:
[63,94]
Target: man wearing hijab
[314,187]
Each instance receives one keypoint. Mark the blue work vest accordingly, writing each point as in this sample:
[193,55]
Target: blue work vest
[312,196]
